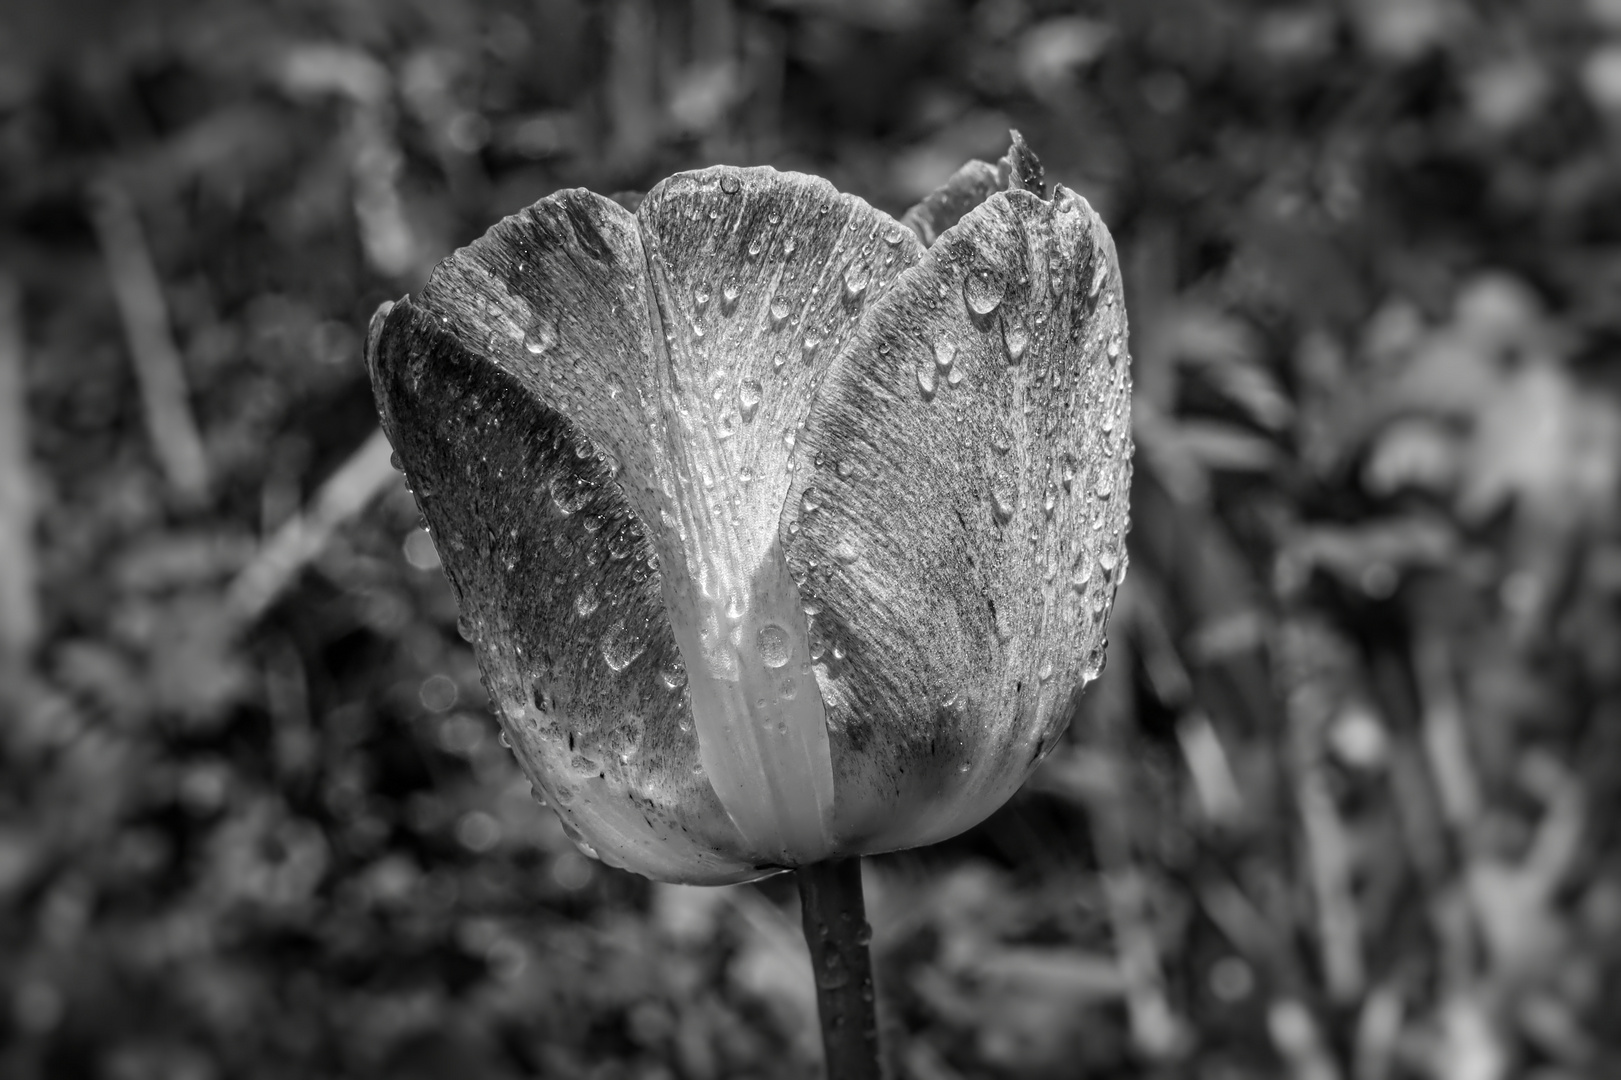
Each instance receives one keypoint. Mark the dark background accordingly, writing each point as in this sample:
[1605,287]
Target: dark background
[1342,806]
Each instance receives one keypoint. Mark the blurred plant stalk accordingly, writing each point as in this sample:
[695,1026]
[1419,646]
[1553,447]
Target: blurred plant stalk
[19,603]
[159,371]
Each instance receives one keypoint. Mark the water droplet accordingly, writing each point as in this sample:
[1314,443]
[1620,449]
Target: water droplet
[1108,559]
[464,629]
[779,314]
[748,399]
[1082,575]
[729,293]
[700,295]
[1049,505]
[925,381]
[1045,671]
[1002,506]
[586,849]
[755,247]
[1017,339]
[673,674]
[845,468]
[541,335]
[568,494]
[730,184]
[982,290]
[846,552]
[621,645]
[945,353]
[812,342]
[586,601]
[1114,346]
[773,644]
[855,281]
[1000,442]
[394,461]
[817,641]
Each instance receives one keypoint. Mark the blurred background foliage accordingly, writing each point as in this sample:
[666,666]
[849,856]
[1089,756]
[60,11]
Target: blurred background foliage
[1342,806]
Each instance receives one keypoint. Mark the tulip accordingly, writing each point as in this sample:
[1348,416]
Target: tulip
[785,531]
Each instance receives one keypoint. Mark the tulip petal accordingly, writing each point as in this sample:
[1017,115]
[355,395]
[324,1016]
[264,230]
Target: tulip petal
[957,516]
[508,389]
[759,278]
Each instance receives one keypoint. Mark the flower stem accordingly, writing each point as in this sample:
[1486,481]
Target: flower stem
[835,919]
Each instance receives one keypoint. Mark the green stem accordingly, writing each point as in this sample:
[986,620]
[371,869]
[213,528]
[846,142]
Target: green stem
[835,919]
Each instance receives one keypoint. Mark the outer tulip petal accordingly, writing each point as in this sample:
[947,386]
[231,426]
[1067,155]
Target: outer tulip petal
[958,515]
[507,390]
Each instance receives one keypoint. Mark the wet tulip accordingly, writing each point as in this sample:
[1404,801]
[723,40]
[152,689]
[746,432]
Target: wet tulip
[784,530]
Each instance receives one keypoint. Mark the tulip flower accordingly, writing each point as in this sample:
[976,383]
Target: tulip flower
[785,531]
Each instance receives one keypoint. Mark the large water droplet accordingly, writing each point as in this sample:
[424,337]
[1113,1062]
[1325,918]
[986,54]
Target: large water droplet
[855,281]
[1017,339]
[812,343]
[586,601]
[621,645]
[568,494]
[673,674]
[730,184]
[1114,346]
[541,336]
[779,314]
[729,294]
[700,295]
[748,399]
[1082,575]
[982,290]
[925,381]
[773,644]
